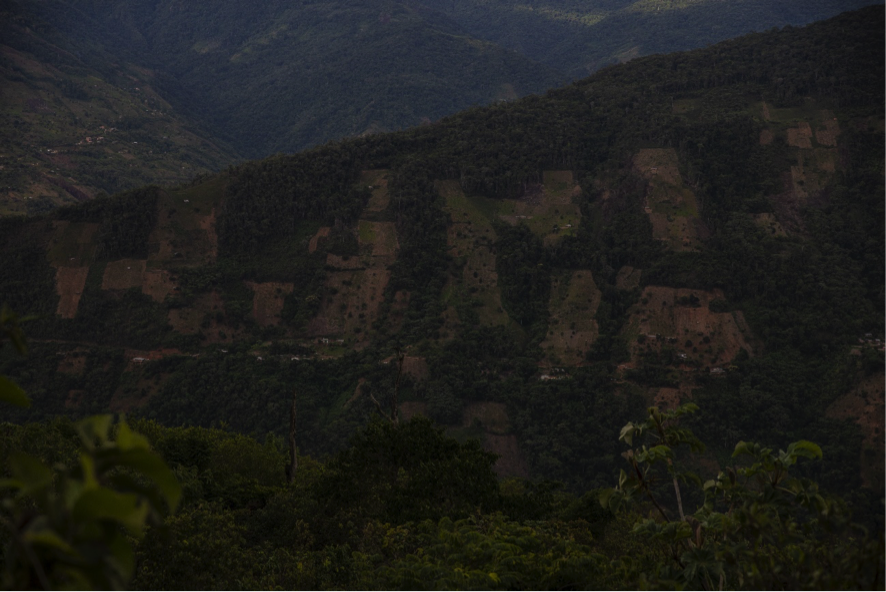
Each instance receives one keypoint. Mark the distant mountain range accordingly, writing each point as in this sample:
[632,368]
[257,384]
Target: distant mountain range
[190,88]
[705,225]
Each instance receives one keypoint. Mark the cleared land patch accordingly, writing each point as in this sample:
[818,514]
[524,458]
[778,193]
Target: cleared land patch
[267,303]
[471,237]
[865,405]
[351,303]
[572,327]
[680,320]
[800,136]
[378,238]
[378,180]
[672,207]
[157,284]
[124,274]
[69,284]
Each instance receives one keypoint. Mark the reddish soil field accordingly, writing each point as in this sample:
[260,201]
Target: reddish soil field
[339,262]
[492,416]
[157,284]
[69,284]
[268,302]
[124,274]
[628,278]
[828,135]
[658,313]
[410,409]
[800,136]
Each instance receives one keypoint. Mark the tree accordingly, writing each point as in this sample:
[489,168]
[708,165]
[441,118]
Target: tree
[757,526]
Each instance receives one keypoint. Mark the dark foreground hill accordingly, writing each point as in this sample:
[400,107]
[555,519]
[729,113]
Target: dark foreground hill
[702,226]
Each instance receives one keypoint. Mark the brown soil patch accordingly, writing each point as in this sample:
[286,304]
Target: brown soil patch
[267,303]
[415,367]
[207,225]
[344,262]
[69,284]
[800,136]
[828,135]
[865,405]
[511,462]
[766,137]
[190,320]
[157,284]
[380,237]
[378,180]
[670,398]
[492,416]
[124,274]
[73,364]
[826,159]
[352,303]
[323,232]
[659,163]
[572,328]
[766,114]
[410,409]
[628,278]
[716,338]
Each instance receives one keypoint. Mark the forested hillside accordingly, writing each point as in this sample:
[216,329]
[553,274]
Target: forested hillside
[104,97]
[703,226]
[581,36]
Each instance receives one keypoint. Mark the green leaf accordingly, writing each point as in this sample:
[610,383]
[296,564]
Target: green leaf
[103,504]
[152,466]
[805,449]
[13,393]
[47,538]
[32,473]
[127,439]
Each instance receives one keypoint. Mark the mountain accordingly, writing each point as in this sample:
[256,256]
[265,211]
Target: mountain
[78,122]
[702,226]
[581,36]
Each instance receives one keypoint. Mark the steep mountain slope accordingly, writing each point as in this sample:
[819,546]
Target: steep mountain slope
[704,225]
[76,122]
[282,77]
[580,37]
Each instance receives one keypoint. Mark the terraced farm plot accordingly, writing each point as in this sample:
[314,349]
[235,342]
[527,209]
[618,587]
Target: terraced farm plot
[267,303]
[572,328]
[681,319]
[352,303]
[378,180]
[379,239]
[200,317]
[800,136]
[72,244]
[672,207]
[471,236]
[157,284]
[69,284]
[124,274]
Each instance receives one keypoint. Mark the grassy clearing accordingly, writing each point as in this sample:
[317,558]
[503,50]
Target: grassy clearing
[572,328]
[378,180]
